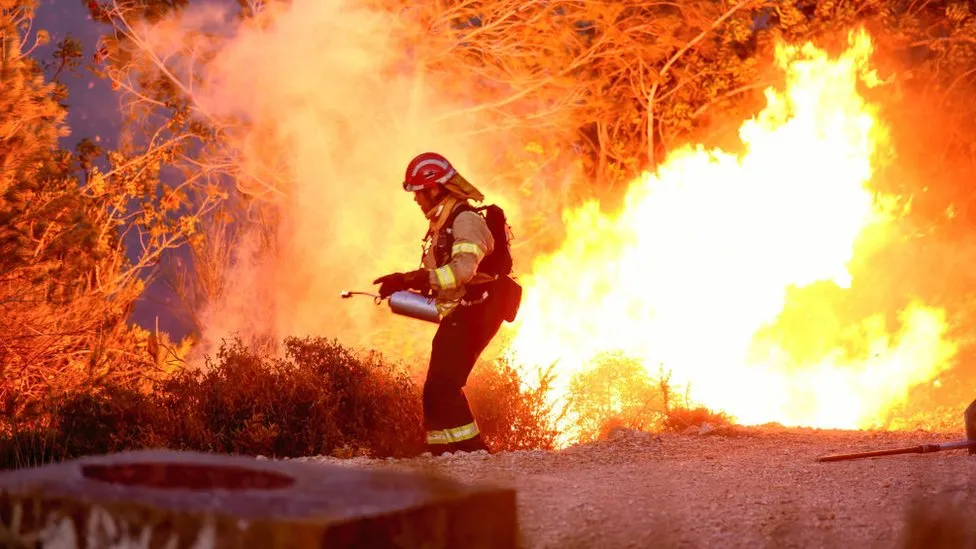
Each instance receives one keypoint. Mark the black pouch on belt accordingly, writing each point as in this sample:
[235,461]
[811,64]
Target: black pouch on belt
[508,296]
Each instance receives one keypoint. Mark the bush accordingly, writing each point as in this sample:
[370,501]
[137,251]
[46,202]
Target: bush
[509,416]
[320,398]
[618,392]
[680,418]
[103,419]
[107,419]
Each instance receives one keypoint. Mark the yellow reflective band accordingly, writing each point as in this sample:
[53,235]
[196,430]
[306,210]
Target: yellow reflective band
[463,432]
[445,278]
[467,248]
[456,434]
[437,437]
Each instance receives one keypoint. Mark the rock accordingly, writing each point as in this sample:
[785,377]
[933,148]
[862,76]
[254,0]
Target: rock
[187,499]
[705,429]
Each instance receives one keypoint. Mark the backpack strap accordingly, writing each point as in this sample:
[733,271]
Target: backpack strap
[458,210]
[444,240]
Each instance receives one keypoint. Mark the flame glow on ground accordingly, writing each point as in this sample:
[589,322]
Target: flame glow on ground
[695,270]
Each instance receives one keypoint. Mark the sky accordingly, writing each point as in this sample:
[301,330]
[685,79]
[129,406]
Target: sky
[94,113]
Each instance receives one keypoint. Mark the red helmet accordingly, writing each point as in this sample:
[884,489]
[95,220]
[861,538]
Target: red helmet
[426,171]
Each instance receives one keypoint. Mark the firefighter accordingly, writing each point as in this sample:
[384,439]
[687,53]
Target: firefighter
[455,245]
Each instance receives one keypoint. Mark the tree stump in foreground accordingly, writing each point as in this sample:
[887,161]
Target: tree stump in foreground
[185,499]
[969,418]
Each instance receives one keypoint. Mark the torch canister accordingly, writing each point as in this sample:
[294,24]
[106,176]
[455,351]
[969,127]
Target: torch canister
[414,305]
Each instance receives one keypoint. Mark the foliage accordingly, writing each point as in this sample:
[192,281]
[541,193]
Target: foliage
[510,416]
[618,392]
[318,399]
[80,235]
[64,293]
[615,391]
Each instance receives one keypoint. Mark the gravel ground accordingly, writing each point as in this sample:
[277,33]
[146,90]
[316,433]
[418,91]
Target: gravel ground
[727,487]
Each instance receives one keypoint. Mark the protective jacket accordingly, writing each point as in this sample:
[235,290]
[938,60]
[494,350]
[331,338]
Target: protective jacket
[457,242]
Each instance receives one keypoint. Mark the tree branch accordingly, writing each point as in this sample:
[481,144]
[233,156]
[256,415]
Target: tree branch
[670,63]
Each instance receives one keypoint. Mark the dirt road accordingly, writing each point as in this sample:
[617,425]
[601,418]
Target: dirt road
[736,487]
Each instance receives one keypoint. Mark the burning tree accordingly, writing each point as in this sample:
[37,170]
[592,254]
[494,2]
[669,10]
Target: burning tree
[81,234]
[622,80]
[625,81]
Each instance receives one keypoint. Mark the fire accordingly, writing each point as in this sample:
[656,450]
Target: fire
[695,272]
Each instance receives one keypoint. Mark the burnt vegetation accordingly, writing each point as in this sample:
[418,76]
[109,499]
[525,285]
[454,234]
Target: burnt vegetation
[613,85]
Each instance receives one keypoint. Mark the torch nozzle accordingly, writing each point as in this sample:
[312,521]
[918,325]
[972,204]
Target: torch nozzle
[346,294]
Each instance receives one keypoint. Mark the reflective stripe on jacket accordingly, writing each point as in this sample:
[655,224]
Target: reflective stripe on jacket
[472,242]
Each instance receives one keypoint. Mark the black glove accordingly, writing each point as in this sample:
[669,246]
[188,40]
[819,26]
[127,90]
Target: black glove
[418,280]
[390,284]
[396,282]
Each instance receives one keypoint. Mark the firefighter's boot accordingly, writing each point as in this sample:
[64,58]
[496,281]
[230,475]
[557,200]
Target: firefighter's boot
[471,445]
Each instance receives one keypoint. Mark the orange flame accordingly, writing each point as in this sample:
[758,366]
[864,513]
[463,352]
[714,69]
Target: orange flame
[696,270]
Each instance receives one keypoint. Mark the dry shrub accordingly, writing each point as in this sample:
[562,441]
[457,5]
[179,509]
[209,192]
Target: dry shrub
[101,419]
[109,418]
[618,392]
[510,416]
[320,398]
[615,392]
[680,418]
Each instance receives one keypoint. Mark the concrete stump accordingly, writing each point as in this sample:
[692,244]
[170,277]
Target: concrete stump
[969,417]
[172,500]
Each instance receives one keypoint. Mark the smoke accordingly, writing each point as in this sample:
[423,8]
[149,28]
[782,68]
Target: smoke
[323,105]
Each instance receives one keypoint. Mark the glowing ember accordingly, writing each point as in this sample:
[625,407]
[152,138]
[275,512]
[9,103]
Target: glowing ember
[694,273]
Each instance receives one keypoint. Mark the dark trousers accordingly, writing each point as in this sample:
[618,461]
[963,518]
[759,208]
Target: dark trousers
[459,341]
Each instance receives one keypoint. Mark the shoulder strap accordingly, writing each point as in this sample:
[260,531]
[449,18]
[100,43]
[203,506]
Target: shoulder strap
[448,228]
[443,241]
[458,210]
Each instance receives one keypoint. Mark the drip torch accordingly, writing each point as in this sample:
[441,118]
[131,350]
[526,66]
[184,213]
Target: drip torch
[405,303]
[969,417]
